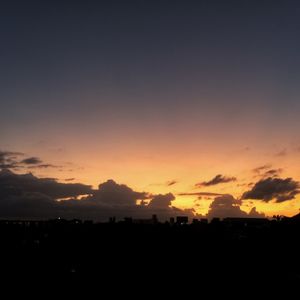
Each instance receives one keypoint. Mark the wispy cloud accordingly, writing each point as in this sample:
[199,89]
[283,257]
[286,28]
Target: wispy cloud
[208,194]
[31,161]
[218,179]
[282,153]
[171,182]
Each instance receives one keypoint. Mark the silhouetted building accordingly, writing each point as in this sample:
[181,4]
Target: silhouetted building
[36,247]
[112,220]
[182,220]
[88,222]
[215,221]
[76,221]
[128,220]
[246,221]
[152,221]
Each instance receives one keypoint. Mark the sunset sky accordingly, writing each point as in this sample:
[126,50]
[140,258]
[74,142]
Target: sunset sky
[162,96]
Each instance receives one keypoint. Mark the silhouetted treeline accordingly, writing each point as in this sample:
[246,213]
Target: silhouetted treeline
[229,252]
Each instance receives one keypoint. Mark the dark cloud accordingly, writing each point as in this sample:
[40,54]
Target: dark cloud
[31,161]
[69,179]
[119,200]
[44,166]
[9,155]
[227,206]
[28,183]
[8,159]
[25,205]
[112,193]
[27,196]
[273,189]
[171,182]
[216,180]
[253,213]
[161,201]
[11,160]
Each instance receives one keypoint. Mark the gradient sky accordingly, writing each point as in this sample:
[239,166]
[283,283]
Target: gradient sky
[149,92]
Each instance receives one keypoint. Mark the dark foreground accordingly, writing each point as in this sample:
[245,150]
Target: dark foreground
[154,257]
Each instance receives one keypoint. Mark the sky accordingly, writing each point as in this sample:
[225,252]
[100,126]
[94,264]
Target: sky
[161,96]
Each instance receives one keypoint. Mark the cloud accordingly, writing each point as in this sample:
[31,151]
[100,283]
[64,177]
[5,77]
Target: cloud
[28,206]
[282,153]
[208,194]
[8,159]
[267,171]
[255,214]
[69,179]
[227,206]
[31,161]
[171,182]
[168,183]
[161,201]
[27,196]
[112,193]
[216,180]
[273,173]
[44,166]
[28,183]
[277,189]
[6,155]
[261,168]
